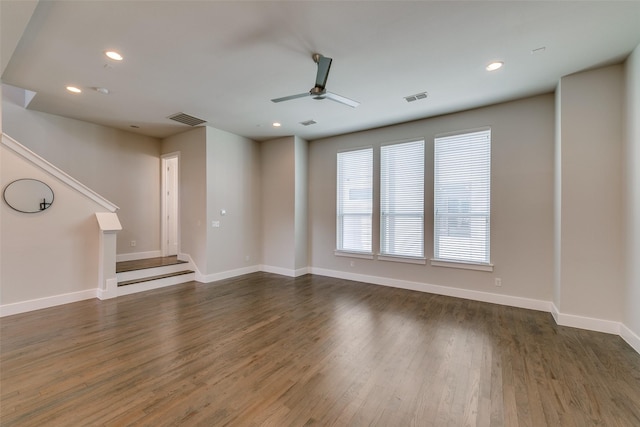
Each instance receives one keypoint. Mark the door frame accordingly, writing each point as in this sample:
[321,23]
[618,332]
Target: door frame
[165,186]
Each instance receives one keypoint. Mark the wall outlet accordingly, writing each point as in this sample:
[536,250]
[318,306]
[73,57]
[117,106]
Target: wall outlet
[247,257]
[133,243]
[352,264]
[498,282]
[215,224]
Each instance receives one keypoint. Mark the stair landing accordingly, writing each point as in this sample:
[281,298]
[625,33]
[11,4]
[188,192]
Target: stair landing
[150,273]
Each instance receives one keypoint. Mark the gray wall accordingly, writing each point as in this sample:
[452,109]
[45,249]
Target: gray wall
[192,179]
[53,253]
[591,185]
[285,205]
[522,199]
[233,184]
[121,166]
[632,196]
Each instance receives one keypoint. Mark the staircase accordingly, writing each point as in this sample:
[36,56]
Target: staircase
[151,273]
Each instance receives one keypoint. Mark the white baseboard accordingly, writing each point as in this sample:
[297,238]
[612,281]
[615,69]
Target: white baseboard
[631,338]
[214,277]
[155,284]
[528,303]
[284,271]
[46,302]
[138,255]
[583,322]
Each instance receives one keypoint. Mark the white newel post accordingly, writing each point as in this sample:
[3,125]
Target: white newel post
[107,282]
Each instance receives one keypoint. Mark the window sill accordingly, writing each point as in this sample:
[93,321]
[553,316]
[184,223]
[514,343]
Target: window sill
[462,265]
[397,258]
[362,255]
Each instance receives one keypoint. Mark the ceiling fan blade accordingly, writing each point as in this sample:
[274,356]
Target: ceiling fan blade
[341,99]
[324,64]
[287,98]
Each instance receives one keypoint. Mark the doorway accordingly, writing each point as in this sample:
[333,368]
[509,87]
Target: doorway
[170,202]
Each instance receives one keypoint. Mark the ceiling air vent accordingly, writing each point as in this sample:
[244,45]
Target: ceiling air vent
[417,96]
[308,123]
[187,119]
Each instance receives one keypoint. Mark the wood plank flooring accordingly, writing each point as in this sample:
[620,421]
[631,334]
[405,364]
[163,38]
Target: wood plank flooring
[264,349]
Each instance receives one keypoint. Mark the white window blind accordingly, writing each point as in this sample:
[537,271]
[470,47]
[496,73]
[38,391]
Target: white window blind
[402,199]
[462,190]
[354,200]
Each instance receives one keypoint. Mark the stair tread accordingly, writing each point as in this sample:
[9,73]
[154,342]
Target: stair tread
[143,264]
[160,276]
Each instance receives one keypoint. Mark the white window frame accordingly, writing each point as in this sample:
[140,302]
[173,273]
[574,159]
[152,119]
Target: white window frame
[363,188]
[477,206]
[396,204]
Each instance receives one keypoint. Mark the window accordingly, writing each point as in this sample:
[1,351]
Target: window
[354,200]
[462,205]
[402,199]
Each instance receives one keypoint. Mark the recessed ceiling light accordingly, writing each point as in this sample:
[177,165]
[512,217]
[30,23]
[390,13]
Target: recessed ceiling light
[495,65]
[74,89]
[114,55]
[276,124]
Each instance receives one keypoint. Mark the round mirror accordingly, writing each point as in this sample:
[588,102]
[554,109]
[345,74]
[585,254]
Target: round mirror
[28,195]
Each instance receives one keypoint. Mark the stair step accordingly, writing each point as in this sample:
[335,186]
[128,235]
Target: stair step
[142,264]
[150,278]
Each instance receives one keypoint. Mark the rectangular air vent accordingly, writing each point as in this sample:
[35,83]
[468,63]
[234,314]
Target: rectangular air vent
[187,119]
[417,96]
[308,123]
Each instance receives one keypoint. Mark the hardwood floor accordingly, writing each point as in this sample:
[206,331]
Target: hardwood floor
[264,349]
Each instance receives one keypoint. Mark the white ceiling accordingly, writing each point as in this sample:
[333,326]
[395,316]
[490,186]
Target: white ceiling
[223,61]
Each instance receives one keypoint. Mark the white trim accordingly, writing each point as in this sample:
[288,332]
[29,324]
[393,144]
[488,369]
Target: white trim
[155,284]
[111,290]
[461,265]
[278,270]
[46,302]
[56,173]
[302,271]
[138,255]
[555,313]
[214,277]
[461,132]
[513,301]
[398,258]
[632,339]
[284,271]
[164,232]
[583,322]
[362,255]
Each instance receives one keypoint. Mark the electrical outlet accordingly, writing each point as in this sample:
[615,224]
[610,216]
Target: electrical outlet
[247,257]
[215,224]
[352,264]
[498,282]
[133,243]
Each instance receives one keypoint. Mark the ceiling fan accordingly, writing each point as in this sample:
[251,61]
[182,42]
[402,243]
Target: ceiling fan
[319,91]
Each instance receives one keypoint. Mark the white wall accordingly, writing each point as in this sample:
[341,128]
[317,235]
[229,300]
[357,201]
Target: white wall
[48,254]
[522,199]
[592,241]
[632,156]
[192,170]
[233,185]
[121,166]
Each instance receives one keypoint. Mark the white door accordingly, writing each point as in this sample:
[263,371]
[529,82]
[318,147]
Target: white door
[170,202]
